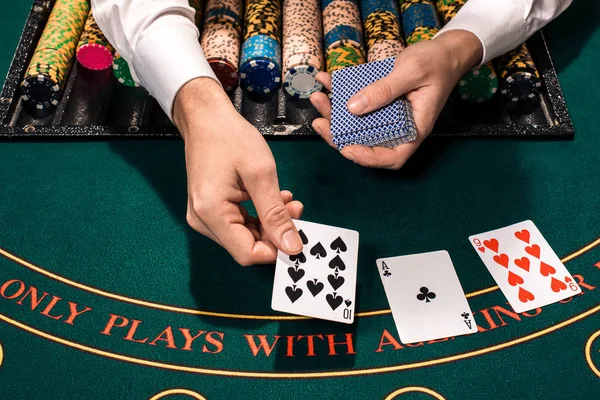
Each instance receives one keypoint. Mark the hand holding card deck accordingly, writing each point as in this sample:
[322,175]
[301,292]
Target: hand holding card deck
[389,126]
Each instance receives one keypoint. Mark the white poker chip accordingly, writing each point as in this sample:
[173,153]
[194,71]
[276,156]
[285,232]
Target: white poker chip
[300,81]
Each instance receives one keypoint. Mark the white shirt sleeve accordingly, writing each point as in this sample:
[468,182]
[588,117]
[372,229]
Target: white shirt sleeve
[502,25]
[159,40]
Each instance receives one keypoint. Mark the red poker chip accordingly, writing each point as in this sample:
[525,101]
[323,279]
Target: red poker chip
[95,56]
[226,73]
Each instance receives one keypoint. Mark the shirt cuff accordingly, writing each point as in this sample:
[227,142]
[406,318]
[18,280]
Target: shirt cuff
[498,27]
[168,57]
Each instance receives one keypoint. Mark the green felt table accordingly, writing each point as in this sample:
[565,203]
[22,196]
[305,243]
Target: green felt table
[103,284]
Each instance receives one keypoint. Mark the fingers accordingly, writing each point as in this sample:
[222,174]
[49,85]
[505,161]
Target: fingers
[381,157]
[263,187]
[325,79]
[321,103]
[382,92]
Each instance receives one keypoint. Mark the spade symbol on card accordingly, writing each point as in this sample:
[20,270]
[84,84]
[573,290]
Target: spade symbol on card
[338,245]
[303,236]
[293,293]
[298,258]
[335,281]
[318,251]
[337,263]
[334,300]
[296,275]
[315,287]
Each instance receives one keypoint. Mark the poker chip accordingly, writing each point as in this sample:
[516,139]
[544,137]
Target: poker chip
[343,34]
[383,33]
[41,92]
[342,57]
[122,72]
[51,62]
[260,75]
[479,84]
[94,51]
[226,73]
[520,87]
[300,81]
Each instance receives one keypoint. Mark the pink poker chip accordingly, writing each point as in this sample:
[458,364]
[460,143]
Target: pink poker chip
[95,57]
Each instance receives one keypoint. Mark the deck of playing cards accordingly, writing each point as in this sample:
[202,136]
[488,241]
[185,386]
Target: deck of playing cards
[320,282]
[528,271]
[426,297]
[389,126]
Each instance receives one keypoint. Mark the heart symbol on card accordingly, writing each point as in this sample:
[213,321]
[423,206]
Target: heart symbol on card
[334,300]
[502,259]
[523,235]
[492,244]
[546,269]
[315,287]
[295,275]
[567,279]
[525,296]
[514,279]
[481,249]
[557,285]
[523,263]
[533,250]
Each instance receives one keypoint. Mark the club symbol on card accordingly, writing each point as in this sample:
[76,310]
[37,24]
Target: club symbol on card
[293,293]
[335,281]
[387,274]
[318,251]
[303,236]
[295,274]
[337,263]
[334,300]
[466,320]
[426,295]
[315,287]
[298,258]
[338,245]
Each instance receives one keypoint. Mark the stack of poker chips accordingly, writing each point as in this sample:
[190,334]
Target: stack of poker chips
[122,72]
[479,84]
[302,52]
[260,68]
[419,20]
[198,6]
[344,44]
[383,33]
[221,39]
[520,77]
[51,62]
[94,51]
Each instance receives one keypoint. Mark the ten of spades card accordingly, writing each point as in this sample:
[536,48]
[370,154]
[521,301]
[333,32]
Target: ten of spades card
[320,282]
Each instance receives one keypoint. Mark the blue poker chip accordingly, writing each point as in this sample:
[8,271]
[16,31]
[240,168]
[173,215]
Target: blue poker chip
[261,46]
[368,7]
[260,75]
[419,14]
[300,81]
[343,34]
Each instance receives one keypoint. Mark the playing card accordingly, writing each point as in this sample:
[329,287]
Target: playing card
[426,297]
[524,266]
[320,282]
[392,123]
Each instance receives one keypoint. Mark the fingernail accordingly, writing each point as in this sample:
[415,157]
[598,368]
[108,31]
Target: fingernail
[358,104]
[290,241]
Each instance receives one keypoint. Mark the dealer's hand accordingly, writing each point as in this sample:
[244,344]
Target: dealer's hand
[228,162]
[425,73]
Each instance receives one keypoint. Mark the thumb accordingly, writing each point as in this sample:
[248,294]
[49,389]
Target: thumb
[272,212]
[381,93]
